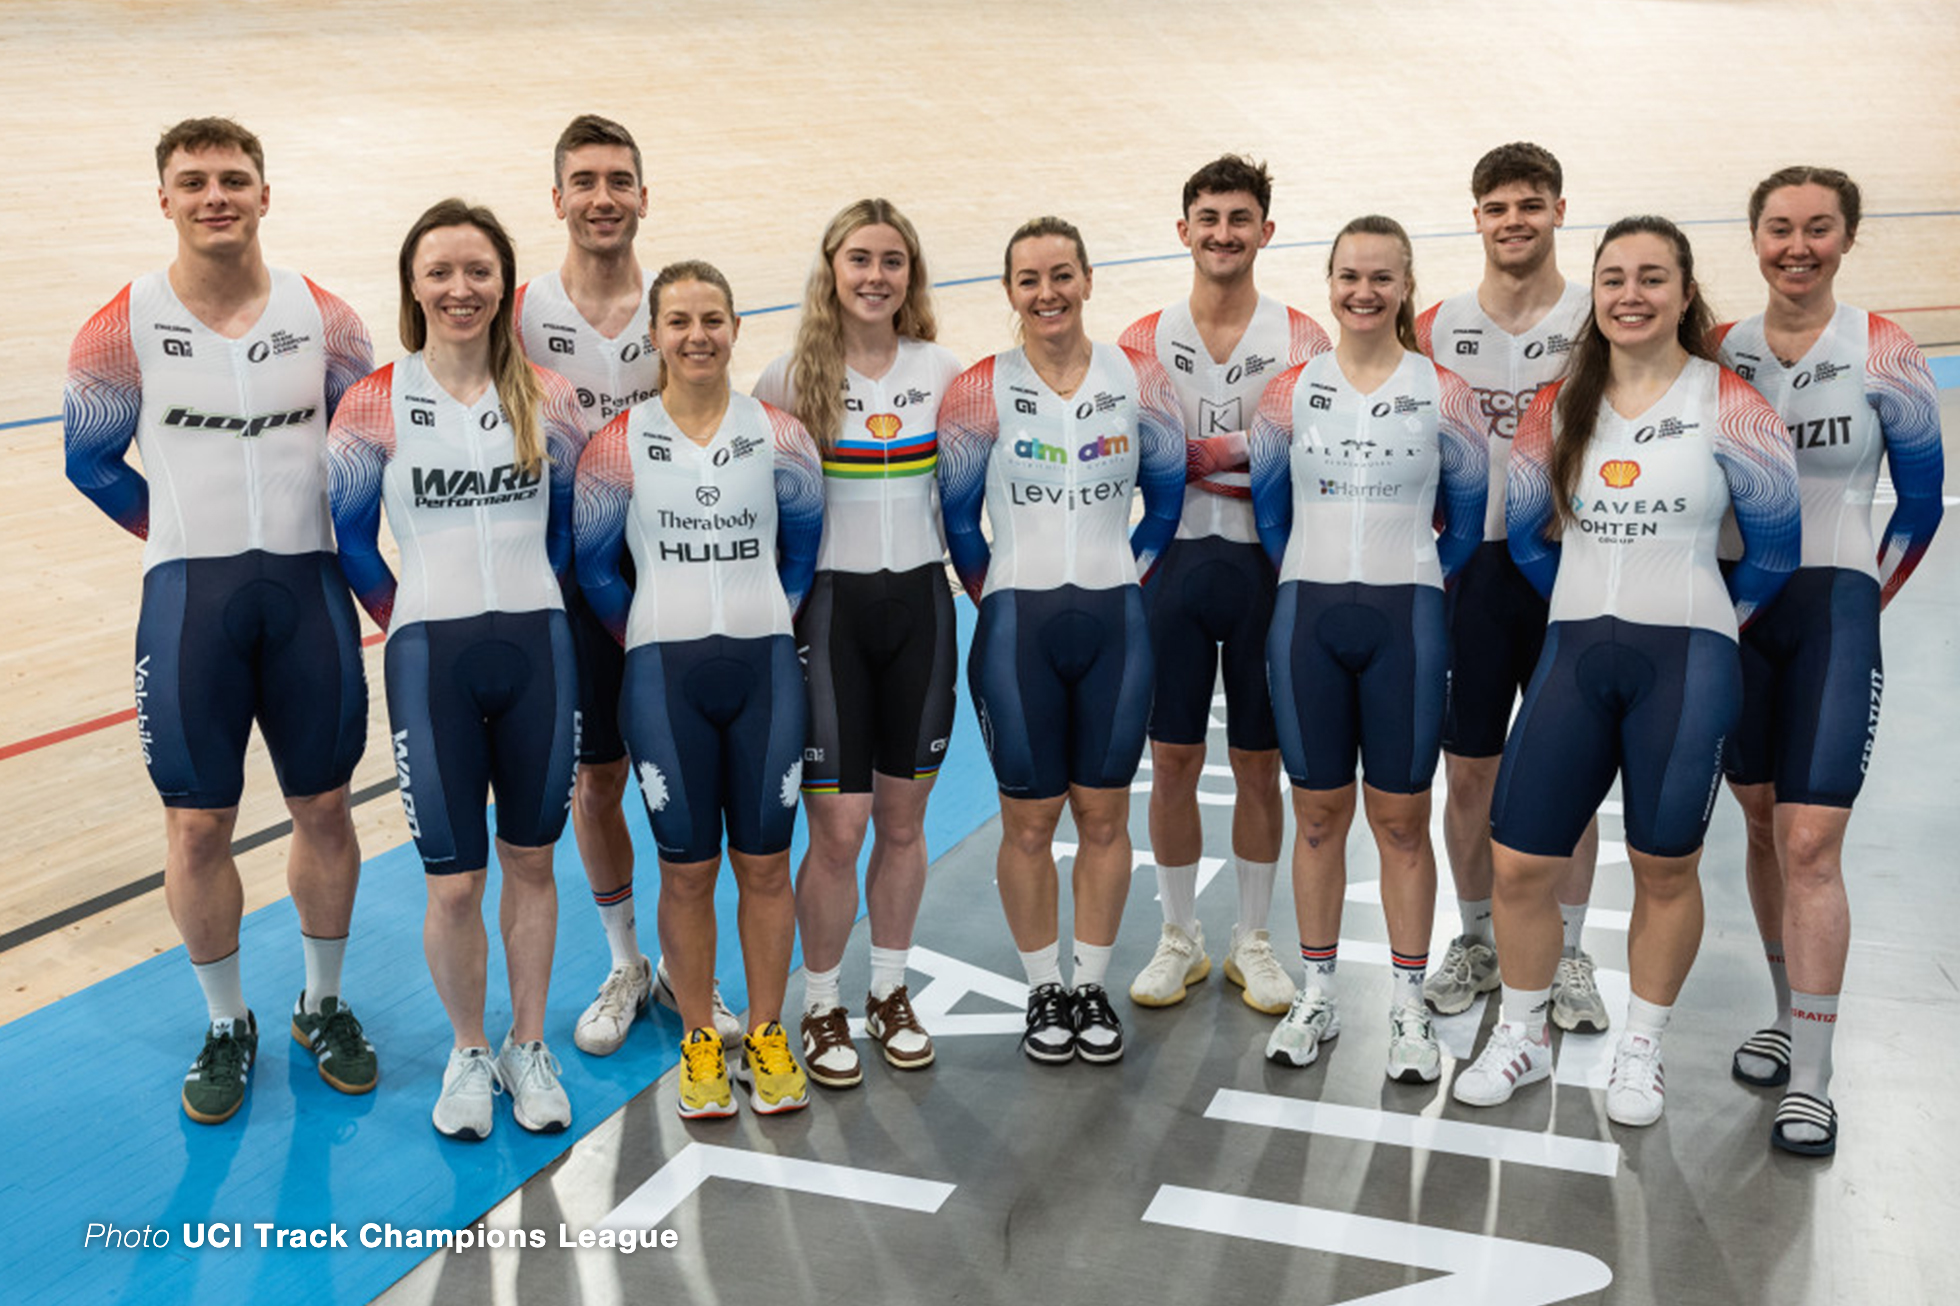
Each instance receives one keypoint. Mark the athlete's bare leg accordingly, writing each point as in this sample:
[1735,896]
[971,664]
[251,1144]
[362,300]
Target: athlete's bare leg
[1400,823]
[200,880]
[458,950]
[1816,911]
[1322,817]
[827,883]
[687,919]
[605,846]
[1176,834]
[765,915]
[895,880]
[1102,861]
[1524,916]
[1025,870]
[1665,932]
[1763,871]
[1258,812]
[1466,822]
[527,913]
[1575,885]
[323,866]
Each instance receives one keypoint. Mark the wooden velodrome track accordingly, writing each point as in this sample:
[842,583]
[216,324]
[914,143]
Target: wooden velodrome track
[759,121]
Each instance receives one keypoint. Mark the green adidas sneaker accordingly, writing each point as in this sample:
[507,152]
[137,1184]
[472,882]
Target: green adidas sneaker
[340,1050]
[215,1087]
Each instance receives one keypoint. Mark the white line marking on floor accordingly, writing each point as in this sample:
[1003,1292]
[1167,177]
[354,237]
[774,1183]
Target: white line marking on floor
[652,1202]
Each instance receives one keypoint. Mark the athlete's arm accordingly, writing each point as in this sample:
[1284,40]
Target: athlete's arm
[100,406]
[969,425]
[350,354]
[601,494]
[1270,447]
[1900,389]
[799,507]
[359,444]
[1160,461]
[1752,445]
[564,441]
[1466,474]
[1528,492]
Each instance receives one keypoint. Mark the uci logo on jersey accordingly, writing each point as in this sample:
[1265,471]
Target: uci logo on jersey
[245,427]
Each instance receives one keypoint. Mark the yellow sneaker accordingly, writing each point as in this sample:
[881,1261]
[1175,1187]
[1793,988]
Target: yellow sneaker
[769,1071]
[704,1078]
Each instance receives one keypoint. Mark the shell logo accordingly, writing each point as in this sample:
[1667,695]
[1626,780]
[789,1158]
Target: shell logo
[883,426]
[1619,473]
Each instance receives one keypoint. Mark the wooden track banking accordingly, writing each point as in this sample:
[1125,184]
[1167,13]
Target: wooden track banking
[759,121]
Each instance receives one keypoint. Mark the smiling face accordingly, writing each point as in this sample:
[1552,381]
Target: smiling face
[694,328]
[215,197]
[600,197]
[458,283]
[1800,240]
[1516,221]
[1047,285]
[873,269]
[1224,233]
[1368,283]
[1639,292]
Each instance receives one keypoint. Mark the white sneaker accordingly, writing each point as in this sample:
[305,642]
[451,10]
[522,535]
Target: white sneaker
[1312,1020]
[1251,965]
[470,1084]
[1634,1095]
[1467,969]
[1179,960]
[621,999]
[727,1024]
[1413,1057]
[537,1099]
[1577,1007]
[1509,1061]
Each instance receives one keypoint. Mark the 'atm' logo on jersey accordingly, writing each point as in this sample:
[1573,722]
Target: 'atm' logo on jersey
[437,487]
[1619,473]
[243,427]
[1107,446]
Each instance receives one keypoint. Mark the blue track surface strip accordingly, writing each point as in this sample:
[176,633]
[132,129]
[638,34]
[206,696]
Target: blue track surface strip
[96,1135]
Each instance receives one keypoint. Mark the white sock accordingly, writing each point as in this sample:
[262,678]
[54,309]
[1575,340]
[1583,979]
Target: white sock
[820,991]
[1476,917]
[887,970]
[323,958]
[224,992]
[1178,887]
[1779,978]
[1574,916]
[1043,965]
[1091,962]
[1255,893]
[1648,1019]
[622,936]
[1527,1007]
[1810,1044]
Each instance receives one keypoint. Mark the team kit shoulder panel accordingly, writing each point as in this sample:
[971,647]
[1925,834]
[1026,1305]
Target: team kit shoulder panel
[101,405]
[1503,370]
[1366,471]
[1833,402]
[232,433]
[1062,472]
[472,524]
[1221,399]
[880,493]
[702,526]
[609,374]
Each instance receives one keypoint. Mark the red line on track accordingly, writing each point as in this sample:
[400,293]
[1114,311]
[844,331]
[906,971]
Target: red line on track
[102,722]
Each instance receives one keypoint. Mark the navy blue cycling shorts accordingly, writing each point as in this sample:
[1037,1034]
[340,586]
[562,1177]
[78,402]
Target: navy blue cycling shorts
[1651,703]
[1061,683]
[221,642]
[1812,676]
[481,706]
[1206,593]
[881,653]
[715,729]
[1497,630]
[601,664]
[1358,669]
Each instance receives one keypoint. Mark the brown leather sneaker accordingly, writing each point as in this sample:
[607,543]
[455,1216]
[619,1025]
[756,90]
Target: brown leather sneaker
[897,1029]
[828,1052]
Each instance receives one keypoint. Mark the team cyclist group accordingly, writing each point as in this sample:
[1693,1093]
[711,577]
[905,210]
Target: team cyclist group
[1547,533]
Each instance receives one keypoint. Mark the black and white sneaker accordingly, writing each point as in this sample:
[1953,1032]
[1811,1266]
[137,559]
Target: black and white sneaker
[1098,1033]
[1051,1025]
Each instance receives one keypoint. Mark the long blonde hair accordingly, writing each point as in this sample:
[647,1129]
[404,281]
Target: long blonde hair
[518,387]
[817,359]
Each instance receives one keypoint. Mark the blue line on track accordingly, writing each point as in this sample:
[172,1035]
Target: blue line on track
[1284,244]
[94,1133]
